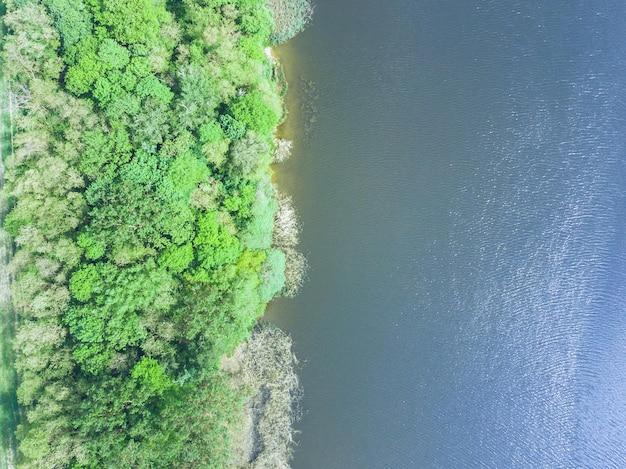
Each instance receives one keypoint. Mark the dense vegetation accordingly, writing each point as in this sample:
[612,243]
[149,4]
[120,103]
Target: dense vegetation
[143,214]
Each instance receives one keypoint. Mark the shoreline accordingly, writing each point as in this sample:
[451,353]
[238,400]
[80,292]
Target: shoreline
[265,365]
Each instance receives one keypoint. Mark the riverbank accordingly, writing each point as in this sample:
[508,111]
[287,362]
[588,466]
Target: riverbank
[265,367]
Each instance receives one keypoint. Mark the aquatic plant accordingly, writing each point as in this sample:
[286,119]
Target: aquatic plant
[290,17]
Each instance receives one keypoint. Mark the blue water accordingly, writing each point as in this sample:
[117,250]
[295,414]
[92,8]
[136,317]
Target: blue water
[463,198]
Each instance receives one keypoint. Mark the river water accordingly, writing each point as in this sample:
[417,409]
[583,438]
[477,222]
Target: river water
[459,169]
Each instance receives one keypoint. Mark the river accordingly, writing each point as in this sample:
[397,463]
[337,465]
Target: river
[459,169]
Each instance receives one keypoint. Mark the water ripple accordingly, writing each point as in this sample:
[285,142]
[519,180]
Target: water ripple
[538,380]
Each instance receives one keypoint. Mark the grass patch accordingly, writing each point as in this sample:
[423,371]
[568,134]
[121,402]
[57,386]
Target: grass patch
[8,401]
[8,379]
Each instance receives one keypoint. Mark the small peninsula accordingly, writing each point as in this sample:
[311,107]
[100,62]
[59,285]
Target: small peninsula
[144,236]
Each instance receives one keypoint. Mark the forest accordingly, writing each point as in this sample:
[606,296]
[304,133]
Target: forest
[147,235]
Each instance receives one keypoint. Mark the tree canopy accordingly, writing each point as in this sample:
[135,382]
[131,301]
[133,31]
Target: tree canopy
[142,213]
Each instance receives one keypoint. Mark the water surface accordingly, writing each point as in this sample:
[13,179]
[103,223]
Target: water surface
[461,186]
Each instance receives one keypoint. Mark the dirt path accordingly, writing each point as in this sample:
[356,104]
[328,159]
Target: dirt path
[8,404]
[8,318]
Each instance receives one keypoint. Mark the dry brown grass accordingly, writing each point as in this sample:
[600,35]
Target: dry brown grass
[285,237]
[282,149]
[290,17]
[267,366]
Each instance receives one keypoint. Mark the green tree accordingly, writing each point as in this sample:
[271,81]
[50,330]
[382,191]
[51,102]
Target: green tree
[84,281]
[177,258]
[133,21]
[142,213]
[186,172]
[253,111]
[233,129]
[94,246]
[85,66]
[153,87]
[151,377]
[257,22]
[210,132]
[213,244]
[112,54]
[71,19]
